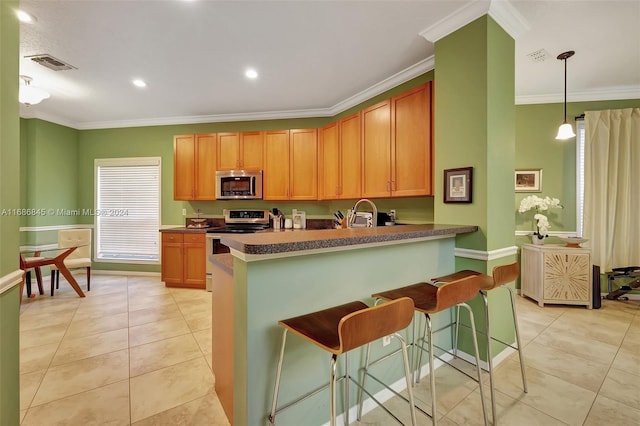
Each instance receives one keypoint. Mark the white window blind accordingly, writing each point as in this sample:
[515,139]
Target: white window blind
[127,214]
[580,136]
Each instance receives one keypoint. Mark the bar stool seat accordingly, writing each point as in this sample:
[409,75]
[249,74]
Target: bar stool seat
[340,329]
[501,275]
[430,299]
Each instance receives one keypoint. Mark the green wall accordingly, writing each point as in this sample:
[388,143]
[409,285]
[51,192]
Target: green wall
[9,199]
[46,146]
[536,147]
[474,127]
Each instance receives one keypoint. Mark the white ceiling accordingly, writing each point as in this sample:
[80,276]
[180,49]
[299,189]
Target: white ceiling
[315,58]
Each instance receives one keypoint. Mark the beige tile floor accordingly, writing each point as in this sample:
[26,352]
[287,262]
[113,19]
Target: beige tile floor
[136,353]
[582,366]
[133,352]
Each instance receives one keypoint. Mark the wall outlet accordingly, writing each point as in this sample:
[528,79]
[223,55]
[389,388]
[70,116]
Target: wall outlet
[386,340]
[392,214]
[184,212]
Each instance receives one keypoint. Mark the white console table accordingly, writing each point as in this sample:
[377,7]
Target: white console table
[556,274]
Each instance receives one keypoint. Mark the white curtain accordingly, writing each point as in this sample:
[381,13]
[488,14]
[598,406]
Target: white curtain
[612,187]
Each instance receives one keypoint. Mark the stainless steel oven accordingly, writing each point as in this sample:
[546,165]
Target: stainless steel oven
[237,221]
[239,185]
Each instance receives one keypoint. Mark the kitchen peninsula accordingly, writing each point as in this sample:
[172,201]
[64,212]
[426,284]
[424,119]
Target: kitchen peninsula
[276,275]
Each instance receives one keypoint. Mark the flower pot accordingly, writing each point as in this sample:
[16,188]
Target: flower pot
[536,240]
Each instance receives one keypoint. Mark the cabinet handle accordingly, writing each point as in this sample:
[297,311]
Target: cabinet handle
[393,186]
[388,186]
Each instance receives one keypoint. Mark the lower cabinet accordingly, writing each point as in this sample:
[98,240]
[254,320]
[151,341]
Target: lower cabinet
[183,260]
[555,274]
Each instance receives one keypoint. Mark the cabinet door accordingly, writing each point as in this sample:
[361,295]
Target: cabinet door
[194,261]
[252,150]
[350,157]
[567,276]
[228,151]
[329,162]
[303,157]
[172,259]
[183,167]
[411,143]
[376,150]
[276,165]
[205,160]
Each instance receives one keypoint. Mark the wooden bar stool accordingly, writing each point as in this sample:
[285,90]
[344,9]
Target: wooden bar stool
[340,329]
[430,299]
[502,275]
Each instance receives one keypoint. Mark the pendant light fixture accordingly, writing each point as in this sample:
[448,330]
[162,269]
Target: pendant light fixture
[30,95]
[566,130]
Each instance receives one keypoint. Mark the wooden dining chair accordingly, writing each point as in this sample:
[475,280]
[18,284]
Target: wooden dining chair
[80,258]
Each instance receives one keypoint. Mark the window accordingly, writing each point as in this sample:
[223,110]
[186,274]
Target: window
[127,214]
[580,139]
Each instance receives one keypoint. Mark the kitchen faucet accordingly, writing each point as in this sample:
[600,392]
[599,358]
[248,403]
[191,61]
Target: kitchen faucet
[374,219]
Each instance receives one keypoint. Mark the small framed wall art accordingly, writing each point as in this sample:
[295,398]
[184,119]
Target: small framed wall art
[528,180]
[458,185]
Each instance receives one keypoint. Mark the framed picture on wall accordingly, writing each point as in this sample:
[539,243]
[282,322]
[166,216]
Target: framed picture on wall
[458,184]
[528,180]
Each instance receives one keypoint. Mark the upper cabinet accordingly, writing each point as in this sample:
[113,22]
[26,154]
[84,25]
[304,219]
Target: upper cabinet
[411,147]
[290,165]
[376,150]
[240,150]
[396,146]
[275,180]
[339,171]
[383,151]
[194,167]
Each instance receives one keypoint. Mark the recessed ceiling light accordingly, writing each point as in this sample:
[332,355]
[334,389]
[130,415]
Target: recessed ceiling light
[251,73]
[139,83]
[25,17]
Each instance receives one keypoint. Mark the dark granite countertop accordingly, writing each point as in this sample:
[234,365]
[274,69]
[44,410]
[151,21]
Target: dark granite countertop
[185,230]
[264,243]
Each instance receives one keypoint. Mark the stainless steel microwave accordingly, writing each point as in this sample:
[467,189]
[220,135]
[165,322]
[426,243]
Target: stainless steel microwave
[239,185]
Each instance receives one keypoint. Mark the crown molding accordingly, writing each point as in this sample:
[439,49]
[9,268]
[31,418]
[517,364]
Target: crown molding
[403,76]
[503,12]
[455,20]
[616,93]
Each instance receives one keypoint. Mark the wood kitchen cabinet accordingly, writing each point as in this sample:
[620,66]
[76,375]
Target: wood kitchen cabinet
[396,146]
[183,260]
[554,274]
[291,165]
[240,150]
[339,159]
[194,167]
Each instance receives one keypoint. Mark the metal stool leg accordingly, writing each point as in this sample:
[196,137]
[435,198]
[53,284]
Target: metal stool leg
[332,390]
[515,324]
[492,391]
[272,416]
[345,397]
[477,353]
[432,373]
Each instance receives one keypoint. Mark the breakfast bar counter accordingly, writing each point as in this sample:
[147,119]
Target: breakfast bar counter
[294,241]
[274,275]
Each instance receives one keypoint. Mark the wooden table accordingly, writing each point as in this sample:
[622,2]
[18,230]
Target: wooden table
[59,262]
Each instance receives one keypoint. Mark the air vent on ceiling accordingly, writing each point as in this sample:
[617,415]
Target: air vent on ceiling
[539,55]
[50,62]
